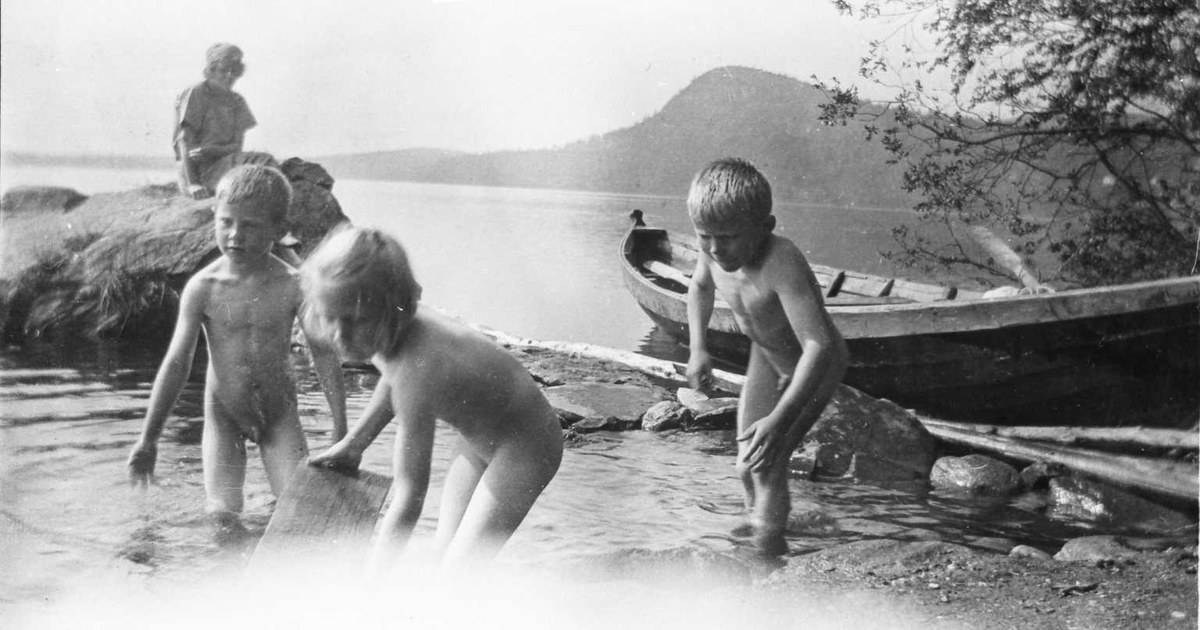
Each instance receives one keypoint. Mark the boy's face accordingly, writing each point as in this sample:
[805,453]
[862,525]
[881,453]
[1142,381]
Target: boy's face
[733,245]
[339,314]
[244,231]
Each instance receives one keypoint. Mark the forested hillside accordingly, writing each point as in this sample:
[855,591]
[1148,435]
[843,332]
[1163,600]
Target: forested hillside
[766,118]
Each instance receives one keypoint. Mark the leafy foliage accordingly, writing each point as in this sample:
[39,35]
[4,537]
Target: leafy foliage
[1071,125]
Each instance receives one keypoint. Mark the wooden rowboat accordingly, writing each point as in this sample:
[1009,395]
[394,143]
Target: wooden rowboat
[1117,355]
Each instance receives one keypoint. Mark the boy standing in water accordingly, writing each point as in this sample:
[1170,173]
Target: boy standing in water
[797,356]
[246,302]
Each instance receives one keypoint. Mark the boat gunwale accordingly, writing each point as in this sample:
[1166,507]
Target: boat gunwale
[979,314]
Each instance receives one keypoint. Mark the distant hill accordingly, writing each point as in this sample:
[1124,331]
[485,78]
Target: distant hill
[22,158]
[768,119]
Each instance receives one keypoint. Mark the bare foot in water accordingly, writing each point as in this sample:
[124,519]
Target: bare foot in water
[770,543]
[228,530]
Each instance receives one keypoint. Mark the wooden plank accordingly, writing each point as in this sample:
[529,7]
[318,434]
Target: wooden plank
[664,270]
[922,291]
[863,284]
[835,284]
[324,514]
[1121,436]
[1177,480]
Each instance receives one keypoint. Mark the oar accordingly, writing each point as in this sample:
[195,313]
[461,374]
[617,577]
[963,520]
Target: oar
[1005,257]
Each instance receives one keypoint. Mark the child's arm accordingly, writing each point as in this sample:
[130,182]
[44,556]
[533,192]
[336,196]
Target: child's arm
[329,373]
[700,297]
[823,356]
[347,453]
[411,464]
[187,167]
[172,376]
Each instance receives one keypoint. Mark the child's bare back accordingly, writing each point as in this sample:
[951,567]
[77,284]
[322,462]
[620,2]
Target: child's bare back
[482,391]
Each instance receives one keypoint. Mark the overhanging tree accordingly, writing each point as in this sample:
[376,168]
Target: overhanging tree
[1071,125]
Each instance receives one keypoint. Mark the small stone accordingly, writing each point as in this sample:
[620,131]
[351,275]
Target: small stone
[1025,551]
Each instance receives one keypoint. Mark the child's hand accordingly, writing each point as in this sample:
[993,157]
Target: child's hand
[141,464]
[763,450]
[205,152]
[197,191]
[699,371]
[338,457]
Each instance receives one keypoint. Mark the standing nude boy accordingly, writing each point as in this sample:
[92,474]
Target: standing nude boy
[797,356]
[246,302]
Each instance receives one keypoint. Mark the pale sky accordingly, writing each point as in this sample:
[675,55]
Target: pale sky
[101,76]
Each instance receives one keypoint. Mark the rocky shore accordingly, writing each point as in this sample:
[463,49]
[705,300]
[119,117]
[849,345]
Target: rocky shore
[112,265]
[1145,579]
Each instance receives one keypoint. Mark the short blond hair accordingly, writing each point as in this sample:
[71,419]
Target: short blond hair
[374,268]
[264,186]
[727,191]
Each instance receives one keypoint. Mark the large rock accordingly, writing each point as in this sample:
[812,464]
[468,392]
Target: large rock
[708,412]
[113,264]
[602,406]
[666,415]
[1086,499]
[874,439]
[39,199]
[978,474]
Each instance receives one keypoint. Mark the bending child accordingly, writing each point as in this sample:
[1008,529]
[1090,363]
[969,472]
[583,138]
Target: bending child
[246,302]
[797,356]
[362,293]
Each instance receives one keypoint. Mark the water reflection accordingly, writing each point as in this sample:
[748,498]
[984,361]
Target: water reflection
[70,414]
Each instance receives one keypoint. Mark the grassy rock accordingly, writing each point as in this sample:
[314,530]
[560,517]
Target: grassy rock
[113,264]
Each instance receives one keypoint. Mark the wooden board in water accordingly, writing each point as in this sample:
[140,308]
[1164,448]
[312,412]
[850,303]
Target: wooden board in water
[324,514]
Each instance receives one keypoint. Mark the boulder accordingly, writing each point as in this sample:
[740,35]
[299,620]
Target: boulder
[1037,475]
[113,264]
[1095,550]
[708,412]
[40,199]
[601,406]
[1096,501]
[858,434]
[977,474]
[665,415]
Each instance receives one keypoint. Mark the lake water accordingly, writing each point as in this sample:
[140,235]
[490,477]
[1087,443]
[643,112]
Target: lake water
[535,263]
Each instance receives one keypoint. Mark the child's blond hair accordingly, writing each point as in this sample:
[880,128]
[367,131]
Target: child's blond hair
[227,53]
[264,186]
[729,190]
[373,267]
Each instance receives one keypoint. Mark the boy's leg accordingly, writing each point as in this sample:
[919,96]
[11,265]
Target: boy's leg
[511,483]
[223,454]
[766,492]
[771,539]
[283,447]
[466,468]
